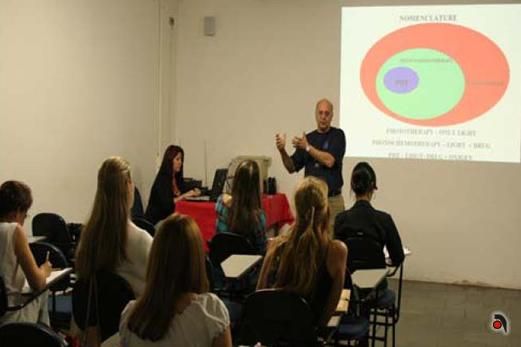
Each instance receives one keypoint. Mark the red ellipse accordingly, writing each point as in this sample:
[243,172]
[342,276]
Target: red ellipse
[497,324]
[484,65]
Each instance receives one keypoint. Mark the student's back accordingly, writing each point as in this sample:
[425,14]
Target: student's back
[204,319]
[376,225]
[306,261]
[176,308]
[241,212]
[109,240]
[17,263]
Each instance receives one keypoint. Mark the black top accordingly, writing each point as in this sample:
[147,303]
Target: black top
[317,299]
[333,142]
[161,200]
[378,224]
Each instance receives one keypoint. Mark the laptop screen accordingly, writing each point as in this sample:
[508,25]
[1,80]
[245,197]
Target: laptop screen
[219,180]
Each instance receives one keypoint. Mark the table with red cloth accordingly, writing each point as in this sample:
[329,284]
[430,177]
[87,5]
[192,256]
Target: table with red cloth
[275,206]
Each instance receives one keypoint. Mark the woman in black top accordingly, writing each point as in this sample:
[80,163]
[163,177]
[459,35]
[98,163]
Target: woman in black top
[306,261]
[168,187]
[375,224]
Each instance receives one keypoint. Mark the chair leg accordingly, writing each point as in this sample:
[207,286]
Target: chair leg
[374,329]
[394,327]
[386,327]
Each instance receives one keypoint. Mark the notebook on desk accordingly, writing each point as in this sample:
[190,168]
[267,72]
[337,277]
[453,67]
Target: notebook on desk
[54,276]
[219,179]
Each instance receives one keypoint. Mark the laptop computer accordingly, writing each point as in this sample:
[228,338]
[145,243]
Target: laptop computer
[219,179]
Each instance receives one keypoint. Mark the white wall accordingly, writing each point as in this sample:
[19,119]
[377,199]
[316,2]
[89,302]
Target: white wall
[262,73]
[80,81]
[83,80]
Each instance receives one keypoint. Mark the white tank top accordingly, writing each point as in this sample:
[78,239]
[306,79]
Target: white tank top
[10,270]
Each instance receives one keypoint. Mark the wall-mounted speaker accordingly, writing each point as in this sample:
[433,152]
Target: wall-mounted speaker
[209,26]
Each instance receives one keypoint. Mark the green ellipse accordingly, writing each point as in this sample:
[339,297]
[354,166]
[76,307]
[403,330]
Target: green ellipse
[441,84]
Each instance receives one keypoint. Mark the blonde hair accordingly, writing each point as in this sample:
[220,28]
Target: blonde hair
[104,238]
[305,245]
[176,266]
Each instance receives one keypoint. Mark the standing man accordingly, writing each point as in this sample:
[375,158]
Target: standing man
[321,153]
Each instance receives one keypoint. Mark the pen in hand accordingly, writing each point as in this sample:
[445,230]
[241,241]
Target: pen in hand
[47,266]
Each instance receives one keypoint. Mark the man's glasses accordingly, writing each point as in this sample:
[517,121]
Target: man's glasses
[324,113]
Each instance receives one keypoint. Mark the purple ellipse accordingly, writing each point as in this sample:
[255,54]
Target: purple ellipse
[401,80]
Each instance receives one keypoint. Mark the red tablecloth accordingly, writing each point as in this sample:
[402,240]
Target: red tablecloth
[276,207]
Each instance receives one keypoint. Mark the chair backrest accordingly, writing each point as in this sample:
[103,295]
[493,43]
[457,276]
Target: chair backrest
[365,252]
[144,224]
[109,296]
[29,335]
[57,259]
[223,245]
[137,210]
[3,297]
[210,273]
[54,228]
[277,317]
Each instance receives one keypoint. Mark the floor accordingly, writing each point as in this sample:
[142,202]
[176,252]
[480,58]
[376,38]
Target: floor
[449,315]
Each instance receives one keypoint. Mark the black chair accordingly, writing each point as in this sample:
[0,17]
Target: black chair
[75,232]
[234,307]
[57,259]
[54,228]
[99,302]
[221,246]
[137,210]
[276,317]
[29,335]
[353,326]
[142,223]
[61,308]
[366,252]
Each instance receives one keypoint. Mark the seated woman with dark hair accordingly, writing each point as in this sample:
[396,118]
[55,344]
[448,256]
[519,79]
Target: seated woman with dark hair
[376,224]
[306,261]
[241,212]
[176,308]
[17,263]
[168,186]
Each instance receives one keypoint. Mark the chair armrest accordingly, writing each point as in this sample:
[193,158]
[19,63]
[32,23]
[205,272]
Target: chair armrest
[394,270]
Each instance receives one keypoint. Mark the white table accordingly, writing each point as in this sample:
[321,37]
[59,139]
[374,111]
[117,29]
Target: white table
[55,276]
[33,239]
[238,264]
[368,279]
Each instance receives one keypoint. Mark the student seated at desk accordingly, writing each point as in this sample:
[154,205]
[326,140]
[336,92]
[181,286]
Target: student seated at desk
[110,241]
[176,308]
[306,261]
[16,260]
[377,225]
[168,187]
[242,213]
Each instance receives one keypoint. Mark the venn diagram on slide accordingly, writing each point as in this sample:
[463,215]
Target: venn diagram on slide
[434,74]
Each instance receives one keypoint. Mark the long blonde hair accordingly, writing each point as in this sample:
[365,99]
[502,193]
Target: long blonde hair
[176,266]
[104,237]
[305,245]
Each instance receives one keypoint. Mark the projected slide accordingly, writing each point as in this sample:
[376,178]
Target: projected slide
[431,82]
